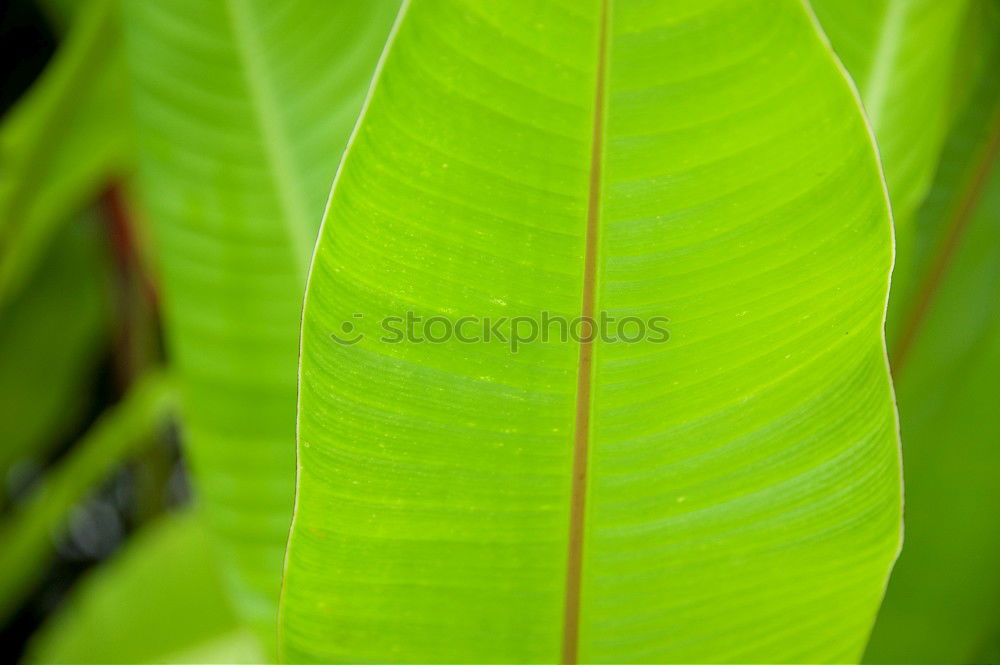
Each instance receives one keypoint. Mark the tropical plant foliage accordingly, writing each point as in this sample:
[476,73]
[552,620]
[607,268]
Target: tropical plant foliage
[699,504]
[728,491]
[240,133]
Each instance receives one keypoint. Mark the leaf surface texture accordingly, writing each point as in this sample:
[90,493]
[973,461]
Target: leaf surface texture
[706,162]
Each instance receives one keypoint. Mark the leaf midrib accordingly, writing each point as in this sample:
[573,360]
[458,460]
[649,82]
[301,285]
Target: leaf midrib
[277,144]
[581,434]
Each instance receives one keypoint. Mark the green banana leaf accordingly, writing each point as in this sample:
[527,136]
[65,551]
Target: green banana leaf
[943,601]
[51,339]
[727,492]
[160,600]
[243,109]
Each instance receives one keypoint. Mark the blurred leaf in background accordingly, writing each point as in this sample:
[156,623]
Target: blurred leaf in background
[50,347]
[243,108]
[63,315]
[58,146]
[117,436]
[901,55]
[62,142]
[160,600]
[943,601]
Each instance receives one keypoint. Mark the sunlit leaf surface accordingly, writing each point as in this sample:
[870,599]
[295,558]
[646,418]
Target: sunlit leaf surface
[730,495]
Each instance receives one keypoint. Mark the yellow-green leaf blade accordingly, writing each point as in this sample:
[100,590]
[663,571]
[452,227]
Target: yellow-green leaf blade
[742,491]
